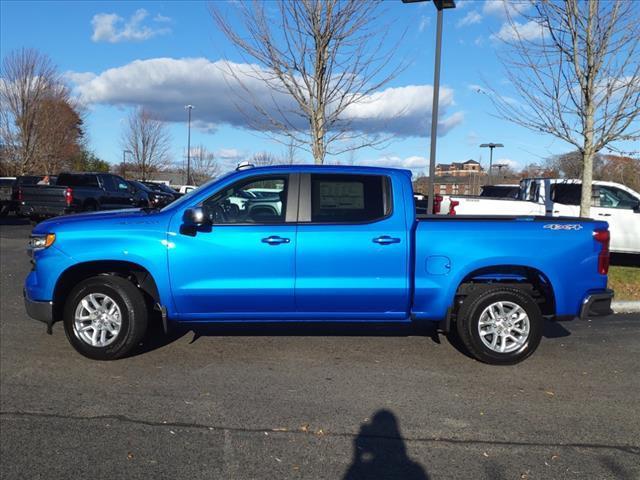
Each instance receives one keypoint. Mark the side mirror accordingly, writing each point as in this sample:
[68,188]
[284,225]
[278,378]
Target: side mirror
[636,209]
[196,217]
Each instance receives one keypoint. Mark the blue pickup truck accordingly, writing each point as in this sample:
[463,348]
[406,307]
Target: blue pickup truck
[314,243]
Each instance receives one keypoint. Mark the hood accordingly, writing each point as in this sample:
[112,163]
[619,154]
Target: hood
[86,220]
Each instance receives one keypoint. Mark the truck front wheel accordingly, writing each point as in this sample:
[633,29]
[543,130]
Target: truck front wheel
[105,317]
[500,326]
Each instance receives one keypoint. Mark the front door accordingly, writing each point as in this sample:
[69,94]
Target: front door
[116,194]
[618,207]
[352,253]
[243,265]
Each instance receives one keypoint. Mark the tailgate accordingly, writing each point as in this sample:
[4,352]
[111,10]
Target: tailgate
[44,195]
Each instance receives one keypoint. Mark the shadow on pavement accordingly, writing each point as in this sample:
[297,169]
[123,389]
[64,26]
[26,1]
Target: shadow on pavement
[156,338]
[14,221]
[380,453]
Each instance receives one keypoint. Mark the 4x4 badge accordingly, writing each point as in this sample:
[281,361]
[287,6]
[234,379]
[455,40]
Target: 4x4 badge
[563,226]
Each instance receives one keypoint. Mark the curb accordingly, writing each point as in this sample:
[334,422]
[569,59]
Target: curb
[626,307]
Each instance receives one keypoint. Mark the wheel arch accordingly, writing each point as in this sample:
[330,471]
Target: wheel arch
[530,279]
[138,274]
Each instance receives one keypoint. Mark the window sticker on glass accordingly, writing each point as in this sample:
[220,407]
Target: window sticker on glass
[342,195]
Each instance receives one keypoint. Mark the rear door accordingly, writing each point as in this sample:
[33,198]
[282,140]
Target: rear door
[352,248]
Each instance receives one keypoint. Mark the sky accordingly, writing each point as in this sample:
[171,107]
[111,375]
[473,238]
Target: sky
[116,56]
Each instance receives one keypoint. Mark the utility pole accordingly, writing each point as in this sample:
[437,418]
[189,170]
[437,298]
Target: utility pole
[491,146]
[189,108]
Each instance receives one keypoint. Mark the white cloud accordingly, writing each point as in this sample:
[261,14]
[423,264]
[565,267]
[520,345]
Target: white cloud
[512,164]
[505,8]
[417,164]
[469,19]
[79,77]
[531,30]
[229,153]
[165,85]
[110,27]
[424,23]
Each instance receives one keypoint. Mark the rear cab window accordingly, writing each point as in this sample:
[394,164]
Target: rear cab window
[345,198]
[71,180]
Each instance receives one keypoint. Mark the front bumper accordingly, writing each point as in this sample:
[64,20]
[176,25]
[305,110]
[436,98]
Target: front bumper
[596,304]
[42,311]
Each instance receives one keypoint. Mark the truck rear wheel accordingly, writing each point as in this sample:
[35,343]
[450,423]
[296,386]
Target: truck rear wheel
[105,317]
[500,326]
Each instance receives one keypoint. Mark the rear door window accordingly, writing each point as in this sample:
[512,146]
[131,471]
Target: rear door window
[566,193]
[349,198]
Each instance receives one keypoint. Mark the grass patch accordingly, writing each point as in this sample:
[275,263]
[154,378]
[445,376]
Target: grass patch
[625,281]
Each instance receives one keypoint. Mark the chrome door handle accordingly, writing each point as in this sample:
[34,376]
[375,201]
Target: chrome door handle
[275,240]
[386,240]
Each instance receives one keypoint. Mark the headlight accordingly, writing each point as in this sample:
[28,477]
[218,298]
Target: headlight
[39,242]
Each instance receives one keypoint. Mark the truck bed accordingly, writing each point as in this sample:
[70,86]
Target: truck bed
[453,249]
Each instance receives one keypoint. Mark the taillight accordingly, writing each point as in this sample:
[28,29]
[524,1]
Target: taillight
[19,195]
[437,202]
[603,237]
[68,196]
[452,206]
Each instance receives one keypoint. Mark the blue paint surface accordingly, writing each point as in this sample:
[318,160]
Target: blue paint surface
[332,272]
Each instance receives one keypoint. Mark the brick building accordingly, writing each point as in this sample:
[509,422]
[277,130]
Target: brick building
[459,169]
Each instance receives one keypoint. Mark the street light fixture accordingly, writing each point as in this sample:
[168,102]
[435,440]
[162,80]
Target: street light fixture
[440,5]
[189,108]
[491,146]
[124,162]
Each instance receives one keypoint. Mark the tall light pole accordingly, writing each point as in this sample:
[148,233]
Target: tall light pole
[440,5]
[189,108]
[491,146]
[124,162]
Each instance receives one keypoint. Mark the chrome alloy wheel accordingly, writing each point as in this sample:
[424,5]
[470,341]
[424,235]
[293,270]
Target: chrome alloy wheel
[504,327]
[97,320]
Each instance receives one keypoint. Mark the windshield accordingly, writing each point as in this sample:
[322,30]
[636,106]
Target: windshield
[186,198]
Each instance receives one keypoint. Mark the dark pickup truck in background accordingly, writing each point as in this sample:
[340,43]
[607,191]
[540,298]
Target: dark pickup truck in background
[76,192]
[10,191]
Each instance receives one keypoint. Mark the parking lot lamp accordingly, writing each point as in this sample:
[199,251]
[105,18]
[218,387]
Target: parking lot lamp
[440,6]
[189,108]
[491,146]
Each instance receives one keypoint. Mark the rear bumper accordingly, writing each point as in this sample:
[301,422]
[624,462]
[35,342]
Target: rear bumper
[44,210]
[596,304]
[41,311]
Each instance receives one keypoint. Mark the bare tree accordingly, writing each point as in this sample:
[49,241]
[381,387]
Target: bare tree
[203,165]
[265,159]
[578,77]
[149,141]
[28,79]
[325,55]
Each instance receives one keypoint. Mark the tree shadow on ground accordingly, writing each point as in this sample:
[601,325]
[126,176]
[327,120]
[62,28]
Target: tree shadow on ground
[379,452]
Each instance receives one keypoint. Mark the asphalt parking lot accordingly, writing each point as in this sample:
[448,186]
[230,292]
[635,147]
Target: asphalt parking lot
[316,402]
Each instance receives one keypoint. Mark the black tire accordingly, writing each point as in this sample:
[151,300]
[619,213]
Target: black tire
[133,320]
[469,315]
